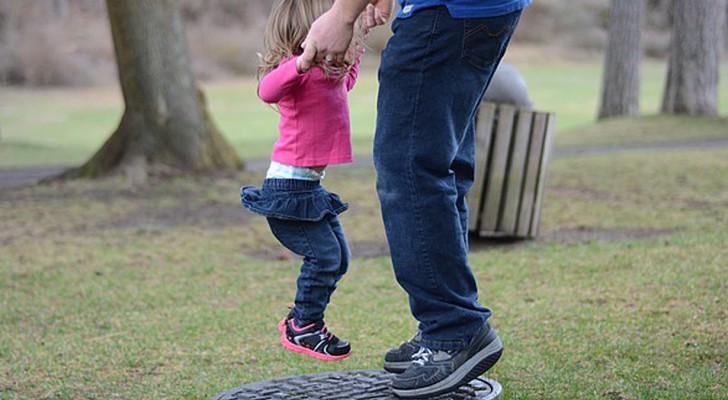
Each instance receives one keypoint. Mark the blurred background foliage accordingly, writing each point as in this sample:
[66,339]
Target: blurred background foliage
[68,42]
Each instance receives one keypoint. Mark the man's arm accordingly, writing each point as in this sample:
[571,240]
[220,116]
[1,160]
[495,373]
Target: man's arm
[330,35]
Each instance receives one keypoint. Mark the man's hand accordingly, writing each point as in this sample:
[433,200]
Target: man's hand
[330,35]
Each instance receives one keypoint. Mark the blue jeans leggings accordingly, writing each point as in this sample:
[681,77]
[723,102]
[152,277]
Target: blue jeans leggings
[326,255]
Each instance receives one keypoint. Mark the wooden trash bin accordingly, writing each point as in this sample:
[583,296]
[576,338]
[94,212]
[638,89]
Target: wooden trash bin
[512,152]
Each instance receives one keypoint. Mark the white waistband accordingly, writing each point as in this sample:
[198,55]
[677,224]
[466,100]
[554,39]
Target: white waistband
[283,171]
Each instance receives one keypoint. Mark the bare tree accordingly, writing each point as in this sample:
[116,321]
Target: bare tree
[621,80]
[165,126]
[659,12]
[695,53]
[60,8]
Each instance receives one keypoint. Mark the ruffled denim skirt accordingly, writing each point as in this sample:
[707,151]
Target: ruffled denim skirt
[292,199]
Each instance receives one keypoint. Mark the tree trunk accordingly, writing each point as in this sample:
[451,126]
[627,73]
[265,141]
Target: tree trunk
[60,8]
[621,81]
[695,53]
[165,127]
[658,13]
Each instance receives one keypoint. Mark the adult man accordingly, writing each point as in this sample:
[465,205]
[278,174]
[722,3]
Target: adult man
[432,77]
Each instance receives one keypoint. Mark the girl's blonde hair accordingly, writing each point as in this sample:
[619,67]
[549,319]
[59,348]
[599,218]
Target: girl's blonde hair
[286,29]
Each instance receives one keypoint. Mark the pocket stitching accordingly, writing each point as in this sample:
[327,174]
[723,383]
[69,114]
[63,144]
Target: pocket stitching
[468,35]
[506,29]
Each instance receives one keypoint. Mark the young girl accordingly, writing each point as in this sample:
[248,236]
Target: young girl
[314,133]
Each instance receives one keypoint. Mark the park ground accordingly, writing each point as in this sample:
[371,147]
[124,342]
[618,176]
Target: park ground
[111,290]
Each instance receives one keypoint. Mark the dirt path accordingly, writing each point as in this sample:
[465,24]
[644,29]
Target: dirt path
[23,176]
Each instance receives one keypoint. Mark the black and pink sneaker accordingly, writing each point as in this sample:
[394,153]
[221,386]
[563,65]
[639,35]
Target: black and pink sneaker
[313,340]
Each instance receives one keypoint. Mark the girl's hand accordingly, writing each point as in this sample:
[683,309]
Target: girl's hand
[385,9]
[371,18]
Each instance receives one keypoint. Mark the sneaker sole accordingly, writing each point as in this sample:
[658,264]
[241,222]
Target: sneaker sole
[290,346]
[477,365]
[396,367]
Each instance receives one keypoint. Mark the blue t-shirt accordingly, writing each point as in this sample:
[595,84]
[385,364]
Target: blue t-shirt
[465,8]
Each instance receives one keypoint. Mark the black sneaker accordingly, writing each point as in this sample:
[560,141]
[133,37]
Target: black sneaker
[313,340]
[433,373]
[398,360]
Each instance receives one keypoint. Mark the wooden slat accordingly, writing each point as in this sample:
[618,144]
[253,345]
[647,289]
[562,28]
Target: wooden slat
[516,169]
[532,171]
[497,168]
[545,155]
[483,134]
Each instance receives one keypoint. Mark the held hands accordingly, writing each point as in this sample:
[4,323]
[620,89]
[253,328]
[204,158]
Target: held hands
[330,31]
[330,35]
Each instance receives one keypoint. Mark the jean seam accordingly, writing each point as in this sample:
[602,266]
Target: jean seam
[343,246]
[410,170]
[307,243]
[344,260]
[307,240]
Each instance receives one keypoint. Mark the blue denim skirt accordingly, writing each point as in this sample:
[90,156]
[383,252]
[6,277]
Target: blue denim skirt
[292,199]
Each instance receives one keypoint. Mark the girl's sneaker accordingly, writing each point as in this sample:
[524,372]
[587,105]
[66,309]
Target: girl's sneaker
[313,340]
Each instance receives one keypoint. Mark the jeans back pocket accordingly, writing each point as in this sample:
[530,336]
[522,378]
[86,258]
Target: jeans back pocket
[485,39]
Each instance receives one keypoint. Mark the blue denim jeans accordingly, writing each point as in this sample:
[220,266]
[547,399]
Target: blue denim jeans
[326,255]
[433,74]
[303,216]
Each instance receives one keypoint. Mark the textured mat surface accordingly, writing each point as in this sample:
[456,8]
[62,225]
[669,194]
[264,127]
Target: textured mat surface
[349,385]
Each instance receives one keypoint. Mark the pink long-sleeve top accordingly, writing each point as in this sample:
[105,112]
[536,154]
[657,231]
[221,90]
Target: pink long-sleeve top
[314,129]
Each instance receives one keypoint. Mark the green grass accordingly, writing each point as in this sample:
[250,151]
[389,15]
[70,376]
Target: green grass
[653,129]
[65,126]
[572,91]
[115,291]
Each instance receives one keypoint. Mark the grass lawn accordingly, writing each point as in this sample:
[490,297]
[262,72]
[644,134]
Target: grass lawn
[66,126]
[171,291]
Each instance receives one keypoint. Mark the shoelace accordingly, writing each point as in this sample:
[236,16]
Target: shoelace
[325,334]
[422,356]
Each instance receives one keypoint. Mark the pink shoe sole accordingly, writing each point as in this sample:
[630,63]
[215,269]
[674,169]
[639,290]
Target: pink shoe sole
[288,345]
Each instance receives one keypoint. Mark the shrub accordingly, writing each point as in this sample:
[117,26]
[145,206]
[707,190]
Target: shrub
[42,44]
[42,49]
